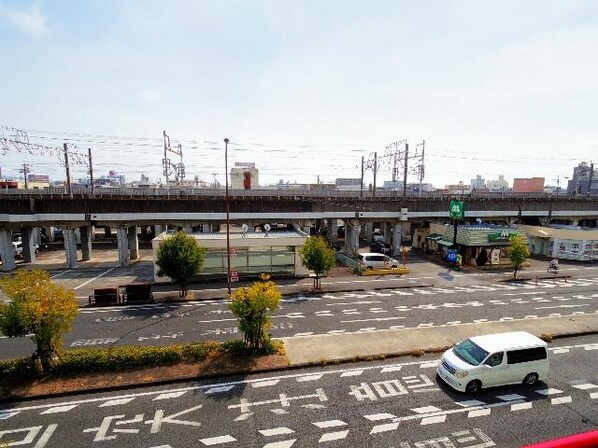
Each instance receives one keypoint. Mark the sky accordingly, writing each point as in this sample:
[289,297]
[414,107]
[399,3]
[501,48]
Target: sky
[304,89]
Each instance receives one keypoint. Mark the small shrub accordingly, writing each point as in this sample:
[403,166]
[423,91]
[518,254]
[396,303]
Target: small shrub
[418,353]
[546,337]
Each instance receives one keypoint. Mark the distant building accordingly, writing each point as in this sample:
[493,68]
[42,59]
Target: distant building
[348,183]
[528,185]
[498,185]
[478,183]
[583,175]
[458,188]
[244,176]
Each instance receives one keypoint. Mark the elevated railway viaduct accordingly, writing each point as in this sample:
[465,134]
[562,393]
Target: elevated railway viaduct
[126,209]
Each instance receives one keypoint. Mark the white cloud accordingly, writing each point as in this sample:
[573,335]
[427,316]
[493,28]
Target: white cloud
[149,95]
[30,21]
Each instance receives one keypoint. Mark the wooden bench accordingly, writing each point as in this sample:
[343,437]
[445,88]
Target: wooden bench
[138,292]
[105,296]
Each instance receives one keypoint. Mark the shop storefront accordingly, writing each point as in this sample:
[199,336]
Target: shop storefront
[566,244]
[252,253]
[472,240]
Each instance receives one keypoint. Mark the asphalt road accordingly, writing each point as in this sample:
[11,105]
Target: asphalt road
[342,312]
[382,404]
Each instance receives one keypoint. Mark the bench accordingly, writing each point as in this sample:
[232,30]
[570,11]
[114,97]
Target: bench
[138,292]
[105,296]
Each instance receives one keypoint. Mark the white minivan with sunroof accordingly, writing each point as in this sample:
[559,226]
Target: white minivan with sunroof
[494,360]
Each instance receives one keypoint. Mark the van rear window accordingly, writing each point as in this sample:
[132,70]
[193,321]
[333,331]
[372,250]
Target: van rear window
[526,355]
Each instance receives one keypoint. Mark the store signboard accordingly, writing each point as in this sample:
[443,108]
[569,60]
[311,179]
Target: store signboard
[503,236]
[456,210]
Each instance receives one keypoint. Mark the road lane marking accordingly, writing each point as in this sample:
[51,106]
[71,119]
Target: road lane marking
[379,319]
[95,278]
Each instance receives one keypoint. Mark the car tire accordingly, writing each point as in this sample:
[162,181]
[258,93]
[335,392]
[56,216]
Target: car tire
[394,266]
[530,379]
[473,387]
[369,268]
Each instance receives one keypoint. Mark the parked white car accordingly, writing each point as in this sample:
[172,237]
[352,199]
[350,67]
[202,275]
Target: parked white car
[372,260]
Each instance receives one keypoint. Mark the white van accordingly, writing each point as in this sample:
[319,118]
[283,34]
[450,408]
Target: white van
[494,360]
[372,260]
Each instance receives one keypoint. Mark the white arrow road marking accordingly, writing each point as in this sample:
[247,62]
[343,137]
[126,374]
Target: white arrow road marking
[585,386]
[521,406]
[549,391]
[218,440]
[7,415]
[510,397]
[282,444]
[479,413]
[470,403]
[384,427]
[428,365]
[352,373]
[391,369]
[265,383]
[116,402]
[426,409]
[432,420]
[218,389]
[560,400]
[276,431]
[333,436]
[170,395]
[305,378]
[242,417]
[329,424]
[377,319]
[59,409]
[381,416]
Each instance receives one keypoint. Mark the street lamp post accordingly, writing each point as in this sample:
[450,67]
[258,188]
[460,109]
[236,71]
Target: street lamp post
[227,216]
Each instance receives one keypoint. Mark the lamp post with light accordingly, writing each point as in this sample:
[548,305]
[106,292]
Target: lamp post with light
[227,216]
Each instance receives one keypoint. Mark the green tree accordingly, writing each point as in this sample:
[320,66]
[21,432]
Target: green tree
[251,305]
[180,258]
[317,257]
[517,252]
[38,307]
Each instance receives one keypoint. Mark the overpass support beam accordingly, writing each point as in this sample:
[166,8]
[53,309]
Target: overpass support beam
[86,237]
[7,250]
[70,248]
[28,240]
[206,228]
[123,245]
[133,242]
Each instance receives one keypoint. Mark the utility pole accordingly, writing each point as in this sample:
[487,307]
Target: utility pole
[421,168]
[228,273]
[90,169]
[591,175]
[361,187]
[68,170]
[25,171]
[405,171]
[375,172]
[166,161]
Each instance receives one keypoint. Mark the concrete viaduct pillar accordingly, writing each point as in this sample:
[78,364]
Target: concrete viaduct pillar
[70,248]
[7,251]
[123,245]
[28,239]
[133,242]
[86,238]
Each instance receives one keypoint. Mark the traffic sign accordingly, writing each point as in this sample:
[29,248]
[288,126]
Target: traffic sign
[456,210]
[234,276]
